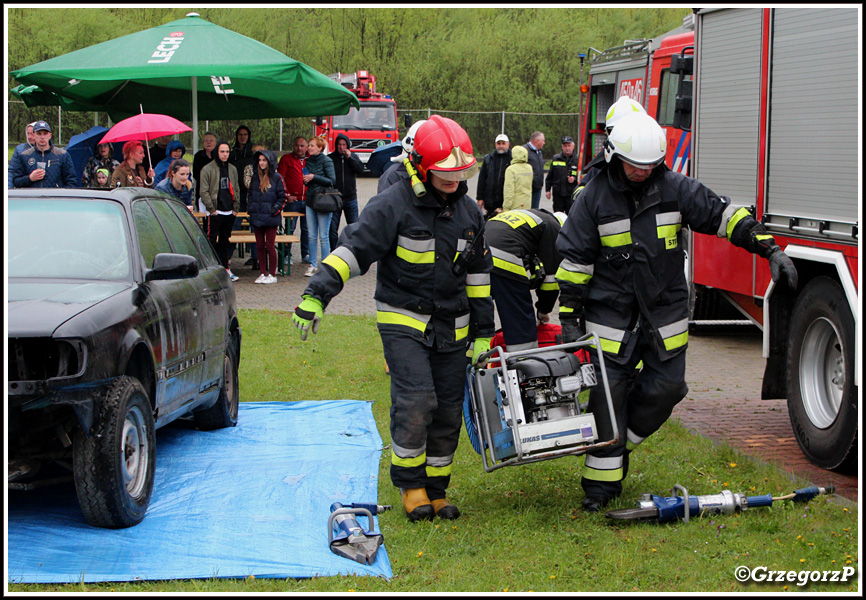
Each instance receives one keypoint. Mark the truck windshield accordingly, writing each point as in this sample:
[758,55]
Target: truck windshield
[371,116]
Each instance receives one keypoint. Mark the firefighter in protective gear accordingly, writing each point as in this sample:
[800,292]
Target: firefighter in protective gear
[523,245]
[432,299]
[562,177]
[623,273]
[619,109]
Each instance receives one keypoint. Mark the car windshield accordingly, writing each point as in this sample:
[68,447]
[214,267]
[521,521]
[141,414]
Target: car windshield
[371,116]
[68,239]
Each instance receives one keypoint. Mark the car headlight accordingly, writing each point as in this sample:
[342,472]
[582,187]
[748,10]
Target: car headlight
[35,359]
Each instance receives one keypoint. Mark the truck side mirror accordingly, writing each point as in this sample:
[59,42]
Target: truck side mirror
[684,66]
[407,120]
[319,121]
[683,107]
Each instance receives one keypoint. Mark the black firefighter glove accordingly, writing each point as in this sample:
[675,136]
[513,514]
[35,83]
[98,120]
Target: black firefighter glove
[781,266]
[753,236]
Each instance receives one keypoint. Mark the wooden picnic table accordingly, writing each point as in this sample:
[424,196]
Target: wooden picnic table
[240,236]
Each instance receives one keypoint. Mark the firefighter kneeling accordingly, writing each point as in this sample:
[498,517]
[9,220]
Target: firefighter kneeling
[623,273]
[432,299]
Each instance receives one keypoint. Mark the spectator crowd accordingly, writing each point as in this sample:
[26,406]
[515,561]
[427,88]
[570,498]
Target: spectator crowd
[508,179]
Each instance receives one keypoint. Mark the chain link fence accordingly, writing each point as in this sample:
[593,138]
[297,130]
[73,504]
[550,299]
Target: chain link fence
[277,134]
[483,127]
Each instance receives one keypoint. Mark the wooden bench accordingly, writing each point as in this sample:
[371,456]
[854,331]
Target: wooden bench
[201,215]
[244,236]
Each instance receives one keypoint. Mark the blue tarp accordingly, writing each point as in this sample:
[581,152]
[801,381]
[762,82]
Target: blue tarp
[249,500]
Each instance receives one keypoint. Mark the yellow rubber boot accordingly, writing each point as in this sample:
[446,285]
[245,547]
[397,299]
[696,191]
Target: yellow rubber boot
[417,504]
[444,509]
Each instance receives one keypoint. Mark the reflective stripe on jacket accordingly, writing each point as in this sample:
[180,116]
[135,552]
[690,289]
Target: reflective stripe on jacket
[623,258]
[416,242]
[557,177]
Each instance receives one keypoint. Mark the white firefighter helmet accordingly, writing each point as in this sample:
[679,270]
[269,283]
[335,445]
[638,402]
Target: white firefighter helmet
[561,217]
[622,107]
[409,139]
[638,140]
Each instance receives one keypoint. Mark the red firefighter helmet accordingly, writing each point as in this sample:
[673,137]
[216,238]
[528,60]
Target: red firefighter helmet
[443,147]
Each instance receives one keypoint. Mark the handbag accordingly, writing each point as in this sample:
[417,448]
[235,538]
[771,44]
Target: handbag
[326,200]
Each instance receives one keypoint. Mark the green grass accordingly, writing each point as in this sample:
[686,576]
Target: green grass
[521,527]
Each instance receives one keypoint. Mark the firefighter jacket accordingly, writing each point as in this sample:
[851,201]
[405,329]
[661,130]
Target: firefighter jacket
[557,177]
[523,245]
[392,175]
[592,169]
[417,242]
[517,188]
[623,259]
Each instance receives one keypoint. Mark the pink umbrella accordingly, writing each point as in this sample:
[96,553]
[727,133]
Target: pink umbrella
[145,125]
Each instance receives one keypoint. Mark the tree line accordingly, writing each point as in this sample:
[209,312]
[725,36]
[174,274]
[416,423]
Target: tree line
[521,60]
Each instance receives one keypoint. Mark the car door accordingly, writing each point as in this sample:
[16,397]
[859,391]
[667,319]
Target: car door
[173,326]
[213,286]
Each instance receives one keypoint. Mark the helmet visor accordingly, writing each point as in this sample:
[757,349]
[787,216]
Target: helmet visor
[457,166]
[461,175]
[642,166]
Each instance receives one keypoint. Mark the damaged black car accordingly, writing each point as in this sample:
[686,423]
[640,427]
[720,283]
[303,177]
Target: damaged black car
[120,320]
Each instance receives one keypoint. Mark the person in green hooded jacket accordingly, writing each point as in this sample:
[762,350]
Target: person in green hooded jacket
[517,191]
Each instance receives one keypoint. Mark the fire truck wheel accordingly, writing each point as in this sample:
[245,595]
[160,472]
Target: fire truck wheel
[822,395]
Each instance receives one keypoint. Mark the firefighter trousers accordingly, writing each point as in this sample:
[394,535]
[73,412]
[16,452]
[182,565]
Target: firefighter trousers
[427,388]
[642,403]
[562,203]
[513,301]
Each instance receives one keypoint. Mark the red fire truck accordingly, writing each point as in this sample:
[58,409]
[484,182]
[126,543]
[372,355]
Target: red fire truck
[768,106]
[639,69]
[371,126]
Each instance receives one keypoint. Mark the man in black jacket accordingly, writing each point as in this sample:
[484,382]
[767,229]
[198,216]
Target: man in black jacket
[346,167]
[533,147]
[491,178]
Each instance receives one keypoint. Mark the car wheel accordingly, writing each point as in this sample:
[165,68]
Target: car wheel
[225,412]
[822,397]
[114,467]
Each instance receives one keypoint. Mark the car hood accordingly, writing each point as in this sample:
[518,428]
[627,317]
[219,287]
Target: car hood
[36,309]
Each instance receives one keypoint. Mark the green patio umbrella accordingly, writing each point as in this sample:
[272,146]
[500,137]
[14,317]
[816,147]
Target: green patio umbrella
[190,69]
[33,95]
